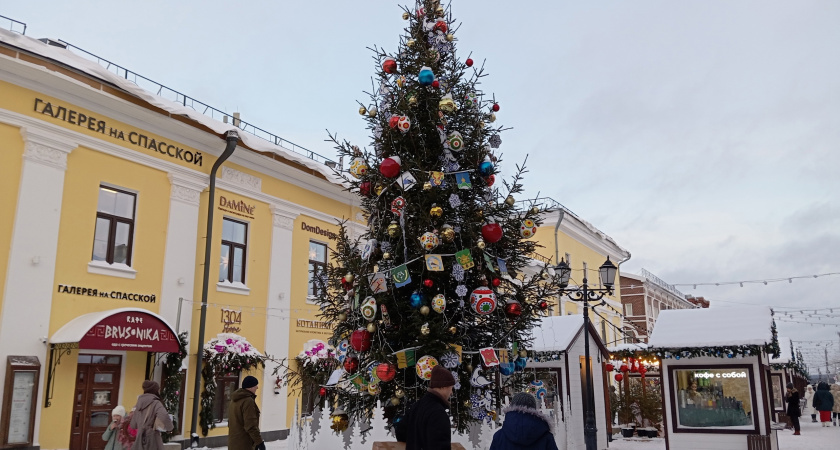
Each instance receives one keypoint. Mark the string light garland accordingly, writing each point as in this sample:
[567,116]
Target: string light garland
[763,281]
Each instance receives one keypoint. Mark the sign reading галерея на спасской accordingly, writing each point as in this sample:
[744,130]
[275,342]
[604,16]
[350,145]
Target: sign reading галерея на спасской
[74,117]
[93,292]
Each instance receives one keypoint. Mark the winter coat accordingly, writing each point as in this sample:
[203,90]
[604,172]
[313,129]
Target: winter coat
[835,392]
[793,404]
[809,403]
[524,429]
[823,400]
[110,437]
[127,434]
[149,408]
[426,425]
[243,421]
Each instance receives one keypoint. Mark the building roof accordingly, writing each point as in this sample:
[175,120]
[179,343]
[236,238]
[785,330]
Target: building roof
[713,327]
[785,352]
[558,333]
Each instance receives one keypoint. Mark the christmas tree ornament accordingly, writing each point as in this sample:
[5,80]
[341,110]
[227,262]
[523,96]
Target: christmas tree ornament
[467,404]
[370,247]
[404,124]
[483,300]
[495,107]
[349,277]
[427,186]
[424,310]
[429,241]
[447,233]
[471,99]
[417,299]
[543,305]
[387,255]
[506,369]
[322,391]
[372,112]
[371,327]
[496,282]
[450,360]
[447,104]
[453,330]
[395,401]
[401,80]
[399,393]
[510,201]
[513,308]
[450,37]
[410,43]
[406,16]
[374,389]
[439,303]
[412,101]
[389,65]
[441,26]
[351,364]
[619,377]
[364,188]
[519,364]
[477,380]
[439,11]
[480,244]
[424,367]
[527,229]
[362,110]
[390,167]
[469,62]
[485,168]
[436,211]
[426,76]
[538,389]
[424,329]
[523,353]
[428,283]
[495,141]
[492,232]
[342,317]
[490,179]
[360,340]
[368,309]
[535,210]
[491,118]
[394,121]
[455,141]
[398,205]
[436,84]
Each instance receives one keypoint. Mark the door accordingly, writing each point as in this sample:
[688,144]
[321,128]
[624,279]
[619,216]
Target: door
[96,394]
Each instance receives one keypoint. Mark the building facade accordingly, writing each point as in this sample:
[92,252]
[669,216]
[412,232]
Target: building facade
[104,189]
[643,296]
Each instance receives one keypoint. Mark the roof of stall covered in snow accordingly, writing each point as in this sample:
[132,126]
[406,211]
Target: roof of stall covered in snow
[88,67]
[631,347]
[712,327]
[785,353]
[558,333]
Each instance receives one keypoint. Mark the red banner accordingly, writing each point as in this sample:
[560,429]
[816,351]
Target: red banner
[131,331]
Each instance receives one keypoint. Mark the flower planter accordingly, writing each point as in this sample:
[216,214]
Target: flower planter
[627,432]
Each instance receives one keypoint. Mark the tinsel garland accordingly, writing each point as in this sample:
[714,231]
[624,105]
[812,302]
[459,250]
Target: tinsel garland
[170,392]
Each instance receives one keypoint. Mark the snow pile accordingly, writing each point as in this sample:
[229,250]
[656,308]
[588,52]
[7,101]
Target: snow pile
[785,353]
[628,347]
[555,333]
[714,327]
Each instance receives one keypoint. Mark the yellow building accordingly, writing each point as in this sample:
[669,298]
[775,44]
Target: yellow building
[104,194]
[565,236]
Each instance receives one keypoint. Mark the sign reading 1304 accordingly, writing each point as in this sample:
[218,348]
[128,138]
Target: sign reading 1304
[230,319]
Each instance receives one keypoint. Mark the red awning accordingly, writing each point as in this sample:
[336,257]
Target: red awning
[119,329]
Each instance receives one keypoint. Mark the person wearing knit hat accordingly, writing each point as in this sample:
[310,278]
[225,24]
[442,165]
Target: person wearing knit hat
[244,417]
[151,387]
[524,426]
[150,418]
[110,434]
[792,410]
[426,425]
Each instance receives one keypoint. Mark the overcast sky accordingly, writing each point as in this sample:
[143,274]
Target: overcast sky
[701,135]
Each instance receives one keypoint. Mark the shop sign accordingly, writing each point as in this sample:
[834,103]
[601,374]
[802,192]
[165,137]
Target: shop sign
[230,320]
[236,207]
[318,230]
[309,326]
[71,116]
[93,292]
[130,331]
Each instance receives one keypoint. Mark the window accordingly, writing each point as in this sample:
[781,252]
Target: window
[114,234]
[226,384]
[317,267]
[714,397]
[234,245]
[628,309]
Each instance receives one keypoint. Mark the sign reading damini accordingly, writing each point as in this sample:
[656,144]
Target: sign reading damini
[236,207]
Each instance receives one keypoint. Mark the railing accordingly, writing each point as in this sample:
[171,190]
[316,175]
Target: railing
[544,259]
[546,203]
[13,24]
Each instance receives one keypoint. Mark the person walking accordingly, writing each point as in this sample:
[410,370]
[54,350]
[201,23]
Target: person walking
[426,426]
[824,403]
[113,430]
[524,427]
[835,411]
[127,434]
[244,418]
[792,411]
[150,418]
[809,403]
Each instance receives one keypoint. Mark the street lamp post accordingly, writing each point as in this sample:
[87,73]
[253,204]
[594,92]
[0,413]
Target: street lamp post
[585,294]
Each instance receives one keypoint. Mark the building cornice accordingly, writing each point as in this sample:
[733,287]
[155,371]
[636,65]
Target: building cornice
[586,234]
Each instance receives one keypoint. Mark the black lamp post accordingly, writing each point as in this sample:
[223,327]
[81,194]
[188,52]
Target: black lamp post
[585,294]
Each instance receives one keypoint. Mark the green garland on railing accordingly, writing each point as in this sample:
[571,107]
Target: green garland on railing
[171,390]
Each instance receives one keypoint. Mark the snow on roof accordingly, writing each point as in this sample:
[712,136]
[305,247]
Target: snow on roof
[93,69]
[785,354]
[630,347]
[712,327]
[555,333]
[75,330]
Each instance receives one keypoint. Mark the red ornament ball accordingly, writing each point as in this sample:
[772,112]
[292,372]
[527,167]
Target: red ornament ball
[389,65]
[386,372]
[513,309]
[492,232]
[496,282]
[360,340]
[323,391]
[365,188]
[490,180]
[624,368]
[609,367]
[543,305]
[440,25]
[619,377]
[469,62]
[394,121]
[390,167]
[351,364]
[428,283]
[436,84]
[495,107]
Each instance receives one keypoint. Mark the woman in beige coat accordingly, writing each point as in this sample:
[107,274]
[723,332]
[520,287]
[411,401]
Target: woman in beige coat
[835,411]
[150,418]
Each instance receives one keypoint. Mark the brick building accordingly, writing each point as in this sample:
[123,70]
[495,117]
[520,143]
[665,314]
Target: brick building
[643,296]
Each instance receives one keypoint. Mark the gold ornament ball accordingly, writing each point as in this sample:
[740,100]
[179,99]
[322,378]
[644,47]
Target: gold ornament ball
[372,112]
[399,393]
[469,368]
[362,111]
[371,327]
[424,310]
[410,42]
[386,255]
[412,101]
[523,353]
[481,244]
[480,124]
[545,275]
[439,11]
[535,210]
[349,277]
[406,16]
[450,37]
[378,189]
[427,186]
[510,200]
[467,404]
[448,234]
[453,330]
[492,118]
[395,401]
[424,330]
[436,211]
[342,317]
[447,105]
[394,229]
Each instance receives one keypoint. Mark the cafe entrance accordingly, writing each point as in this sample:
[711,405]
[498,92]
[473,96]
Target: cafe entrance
[96,393]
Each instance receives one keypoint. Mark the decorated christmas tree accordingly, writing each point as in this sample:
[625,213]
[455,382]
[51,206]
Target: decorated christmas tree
[439,277]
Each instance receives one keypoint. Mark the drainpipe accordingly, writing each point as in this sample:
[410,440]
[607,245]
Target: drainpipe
[562,214]
[232,138]
[618,269]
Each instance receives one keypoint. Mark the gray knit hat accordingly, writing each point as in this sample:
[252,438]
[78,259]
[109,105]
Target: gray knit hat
[525,400]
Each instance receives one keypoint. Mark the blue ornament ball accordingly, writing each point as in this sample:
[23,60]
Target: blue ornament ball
[417,299]
[520,364]
[426,77]
[677,356]
[485,168]
[506,369]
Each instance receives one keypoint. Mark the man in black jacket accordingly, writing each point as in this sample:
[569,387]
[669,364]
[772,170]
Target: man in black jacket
[427,426]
